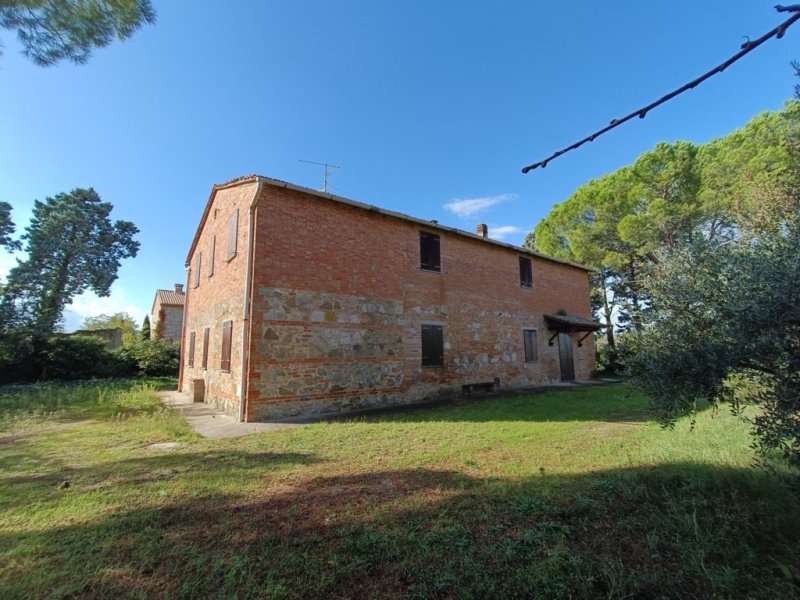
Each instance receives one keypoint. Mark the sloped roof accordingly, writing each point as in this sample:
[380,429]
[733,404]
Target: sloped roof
[261,180]
[170,298]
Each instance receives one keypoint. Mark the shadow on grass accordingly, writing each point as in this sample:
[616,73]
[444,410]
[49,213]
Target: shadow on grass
[46,478]
[680,530]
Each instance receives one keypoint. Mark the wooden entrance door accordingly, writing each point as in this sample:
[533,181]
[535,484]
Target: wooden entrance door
[565,356]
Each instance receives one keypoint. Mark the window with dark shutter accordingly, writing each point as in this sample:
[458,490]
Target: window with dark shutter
[211,249]
[525,272]
[432,345]
[429,256]
[225,363]
[205,348]
[190,354]
[196,274]
[529,338]
[233,227]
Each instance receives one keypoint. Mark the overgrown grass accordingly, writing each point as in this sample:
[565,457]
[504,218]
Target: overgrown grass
[573,494]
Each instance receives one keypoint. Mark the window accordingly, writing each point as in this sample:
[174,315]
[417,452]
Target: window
[190,355]
[196,274]
[529,338]
[225,363]
[233,227]
[429,258]
[211,255]
[432,346]
[525,272]
[205,348]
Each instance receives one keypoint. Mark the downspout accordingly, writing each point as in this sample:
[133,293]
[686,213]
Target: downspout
[248,282]
[183,333]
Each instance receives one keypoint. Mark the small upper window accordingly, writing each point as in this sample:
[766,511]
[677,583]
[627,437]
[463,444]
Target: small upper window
[432,345]
[525,272]
[211,249]
[233,227]
[429,257]
[196,274]
[529,339]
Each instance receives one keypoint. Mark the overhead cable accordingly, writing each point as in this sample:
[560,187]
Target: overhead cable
[746,48]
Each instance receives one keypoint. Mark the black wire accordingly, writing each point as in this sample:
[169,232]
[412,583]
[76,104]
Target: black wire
[747,47]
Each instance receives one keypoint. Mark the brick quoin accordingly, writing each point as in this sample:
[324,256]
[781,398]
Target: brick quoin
[337,301]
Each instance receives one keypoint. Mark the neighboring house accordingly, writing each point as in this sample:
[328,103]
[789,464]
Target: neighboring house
[299,302]
[166,315]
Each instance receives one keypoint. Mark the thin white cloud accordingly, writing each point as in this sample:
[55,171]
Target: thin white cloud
[503,231]
[467,207]
[90,304]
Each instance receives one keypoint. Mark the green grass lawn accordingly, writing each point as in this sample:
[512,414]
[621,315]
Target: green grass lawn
[569,494]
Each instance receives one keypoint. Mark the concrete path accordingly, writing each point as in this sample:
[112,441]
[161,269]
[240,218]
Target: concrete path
[211,422]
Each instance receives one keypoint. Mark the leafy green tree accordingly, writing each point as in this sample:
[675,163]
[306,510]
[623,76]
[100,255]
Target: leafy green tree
[625,222]
[725,319]
[54,30]
[145,333]
[120,320]
[72,246]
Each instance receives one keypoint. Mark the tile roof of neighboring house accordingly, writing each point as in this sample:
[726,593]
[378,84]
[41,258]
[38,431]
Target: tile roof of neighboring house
[170,297]
[260,179]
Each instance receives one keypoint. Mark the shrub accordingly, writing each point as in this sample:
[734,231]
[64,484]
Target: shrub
[81,357]
[152,357]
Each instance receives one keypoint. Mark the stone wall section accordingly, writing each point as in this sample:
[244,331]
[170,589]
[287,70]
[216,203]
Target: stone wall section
[339,300]
[219,297]
[173,320]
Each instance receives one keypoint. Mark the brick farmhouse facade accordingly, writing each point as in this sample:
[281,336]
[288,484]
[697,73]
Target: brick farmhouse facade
[299,302]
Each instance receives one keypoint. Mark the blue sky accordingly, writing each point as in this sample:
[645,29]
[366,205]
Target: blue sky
[431,108]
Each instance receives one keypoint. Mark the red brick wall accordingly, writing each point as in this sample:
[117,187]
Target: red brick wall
[218,297]
[339,300]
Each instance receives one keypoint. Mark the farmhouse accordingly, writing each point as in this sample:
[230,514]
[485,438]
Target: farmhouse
[299,302]
[166,314]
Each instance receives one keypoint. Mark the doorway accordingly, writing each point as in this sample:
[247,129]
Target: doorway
[565,356]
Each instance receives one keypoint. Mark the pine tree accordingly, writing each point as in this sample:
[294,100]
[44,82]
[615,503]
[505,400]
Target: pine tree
[145,333]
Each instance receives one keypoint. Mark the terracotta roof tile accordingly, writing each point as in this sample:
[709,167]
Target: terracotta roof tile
[170,297]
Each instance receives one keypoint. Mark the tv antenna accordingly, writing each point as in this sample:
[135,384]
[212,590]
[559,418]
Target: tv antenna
[329,168]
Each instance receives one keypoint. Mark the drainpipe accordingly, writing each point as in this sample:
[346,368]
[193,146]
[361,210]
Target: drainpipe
[183,334]
[248,282]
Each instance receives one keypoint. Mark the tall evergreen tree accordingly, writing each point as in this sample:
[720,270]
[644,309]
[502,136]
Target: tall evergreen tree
[72,246]
[54,30]
[145,333]
[7,227]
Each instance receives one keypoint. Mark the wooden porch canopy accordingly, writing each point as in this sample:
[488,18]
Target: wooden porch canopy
[570,323]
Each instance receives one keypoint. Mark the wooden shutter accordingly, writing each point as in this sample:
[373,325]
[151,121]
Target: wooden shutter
[211,255]
[525,272]
[432,345]
[196,274]
[233,228]
[429,252]
[190,358]
[227,329]
[205,348]
[531,351]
